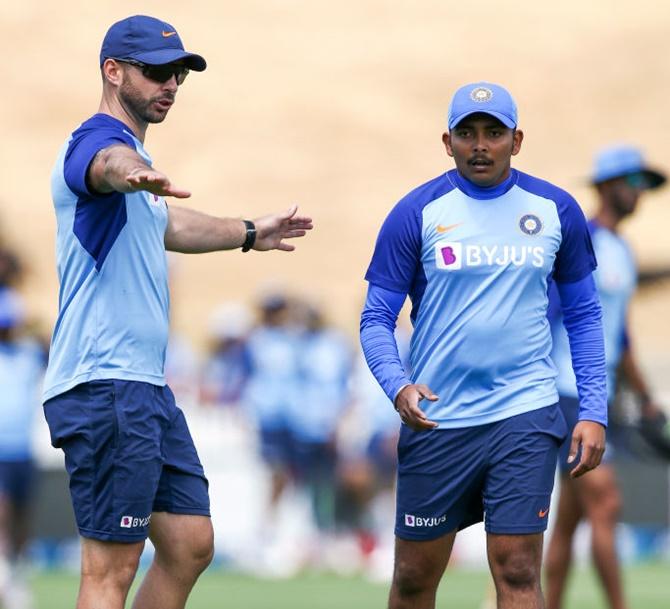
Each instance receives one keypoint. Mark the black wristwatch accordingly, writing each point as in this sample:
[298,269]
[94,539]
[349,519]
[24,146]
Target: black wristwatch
[251,235]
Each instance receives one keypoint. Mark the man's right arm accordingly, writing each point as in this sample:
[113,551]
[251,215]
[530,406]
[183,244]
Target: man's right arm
[119,168]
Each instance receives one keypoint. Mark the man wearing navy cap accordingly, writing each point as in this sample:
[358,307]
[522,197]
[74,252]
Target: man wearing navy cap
[134,471]
[620,177]
[473,249]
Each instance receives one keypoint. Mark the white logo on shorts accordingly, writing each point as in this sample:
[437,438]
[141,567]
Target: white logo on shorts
[420,521]
[132,522]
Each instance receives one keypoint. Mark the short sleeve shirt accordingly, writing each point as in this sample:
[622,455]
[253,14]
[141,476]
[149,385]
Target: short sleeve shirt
[113,300]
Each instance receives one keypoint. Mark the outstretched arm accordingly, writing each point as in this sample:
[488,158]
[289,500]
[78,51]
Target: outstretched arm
[193,232]
[120,168]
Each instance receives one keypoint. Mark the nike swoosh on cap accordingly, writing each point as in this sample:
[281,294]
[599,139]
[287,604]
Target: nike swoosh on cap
[168,34]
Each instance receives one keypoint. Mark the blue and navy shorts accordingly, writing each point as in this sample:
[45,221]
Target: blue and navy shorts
[570,409]
[129,453]
[17,480]
[502,473]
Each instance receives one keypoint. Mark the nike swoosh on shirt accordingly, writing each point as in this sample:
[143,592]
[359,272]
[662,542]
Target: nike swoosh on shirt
[445,229]
[168,34]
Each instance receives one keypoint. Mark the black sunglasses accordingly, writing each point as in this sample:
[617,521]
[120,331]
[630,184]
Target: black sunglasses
[161,73]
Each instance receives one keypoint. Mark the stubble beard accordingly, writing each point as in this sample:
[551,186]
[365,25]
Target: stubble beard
[139,107]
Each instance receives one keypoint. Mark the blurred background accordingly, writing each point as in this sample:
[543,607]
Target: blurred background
[338,107]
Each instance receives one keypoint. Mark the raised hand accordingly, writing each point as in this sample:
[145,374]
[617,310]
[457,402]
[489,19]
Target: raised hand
[271,230]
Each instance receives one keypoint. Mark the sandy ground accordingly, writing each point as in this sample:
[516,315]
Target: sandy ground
[338,107]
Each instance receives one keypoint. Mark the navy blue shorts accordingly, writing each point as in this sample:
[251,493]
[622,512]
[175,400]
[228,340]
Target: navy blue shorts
[17,481]
[570,409]
[502,473]
[276,447]
[129,453]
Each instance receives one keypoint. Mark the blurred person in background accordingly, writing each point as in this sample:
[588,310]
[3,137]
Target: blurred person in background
[134,470]
[227,368]
[22,363]
[368,448]
[324,360]
[474,249]
[620,177]
[270,394]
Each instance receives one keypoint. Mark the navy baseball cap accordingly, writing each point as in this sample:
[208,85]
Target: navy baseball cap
[483,97]
[622,160]
[148,40]
[11,309]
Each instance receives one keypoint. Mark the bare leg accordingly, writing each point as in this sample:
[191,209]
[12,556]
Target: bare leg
[184,547]
[419,566]
[559,552]
[107,571]
[515,562]
[600,496]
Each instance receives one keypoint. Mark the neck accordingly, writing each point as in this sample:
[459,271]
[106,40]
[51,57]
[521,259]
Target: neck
[484,192]
[113,107]
[607,218]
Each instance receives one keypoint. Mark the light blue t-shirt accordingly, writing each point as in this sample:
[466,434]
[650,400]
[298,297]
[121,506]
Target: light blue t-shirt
[475,263]
[273,386]
[616,278]
[324,366]
[113,301]
[21,369]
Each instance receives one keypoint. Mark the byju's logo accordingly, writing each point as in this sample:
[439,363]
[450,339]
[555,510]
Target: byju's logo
[452,256]
[420,521]
[132,522]
[448,255]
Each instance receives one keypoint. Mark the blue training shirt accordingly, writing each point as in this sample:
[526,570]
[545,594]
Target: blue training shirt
[475,263]
[110,252]
[616,278]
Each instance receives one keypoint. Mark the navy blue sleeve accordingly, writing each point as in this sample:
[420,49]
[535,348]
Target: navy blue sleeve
[397,254]
[575,258]
[582,317]
[84,145]
[378,322]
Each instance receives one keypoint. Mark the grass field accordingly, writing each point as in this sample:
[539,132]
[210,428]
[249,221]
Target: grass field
[648,587]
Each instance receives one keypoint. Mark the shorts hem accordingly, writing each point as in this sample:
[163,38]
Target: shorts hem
[428,536]
[517,530]
[116,537]
[187,511]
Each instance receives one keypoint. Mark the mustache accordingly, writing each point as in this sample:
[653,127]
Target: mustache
[480,159]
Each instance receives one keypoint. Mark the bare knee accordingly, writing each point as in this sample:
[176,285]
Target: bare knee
[109,565]
[518,573]
[187,555]
[515,562]
[411,579]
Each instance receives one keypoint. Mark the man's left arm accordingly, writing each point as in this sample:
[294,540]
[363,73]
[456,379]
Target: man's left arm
[582,318]
[193,232]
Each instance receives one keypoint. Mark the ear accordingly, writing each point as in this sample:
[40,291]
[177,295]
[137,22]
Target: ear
[112,72]
[446,140]
[516,143]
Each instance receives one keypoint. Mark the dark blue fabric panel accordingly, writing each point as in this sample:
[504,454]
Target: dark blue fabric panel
[575,258]
[98,222]
[98,132]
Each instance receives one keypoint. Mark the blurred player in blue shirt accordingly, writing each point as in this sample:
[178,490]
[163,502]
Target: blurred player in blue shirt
[134,471]
[473,249]
[620,176]
[21,368]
